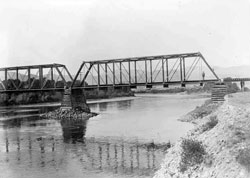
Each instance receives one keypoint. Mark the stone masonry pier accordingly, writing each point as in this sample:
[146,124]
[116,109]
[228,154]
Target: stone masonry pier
[74,98]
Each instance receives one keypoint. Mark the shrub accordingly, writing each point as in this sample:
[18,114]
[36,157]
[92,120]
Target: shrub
[246,89]
[244,158]
[204,110]
[213,121]
[193,153]
[231,87]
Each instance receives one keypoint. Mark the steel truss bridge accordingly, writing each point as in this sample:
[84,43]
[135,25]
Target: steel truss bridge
[165,70]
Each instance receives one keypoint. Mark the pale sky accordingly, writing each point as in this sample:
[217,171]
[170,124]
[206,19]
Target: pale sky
[70,31]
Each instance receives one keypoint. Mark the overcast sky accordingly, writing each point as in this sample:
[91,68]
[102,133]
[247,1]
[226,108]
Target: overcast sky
[70,31]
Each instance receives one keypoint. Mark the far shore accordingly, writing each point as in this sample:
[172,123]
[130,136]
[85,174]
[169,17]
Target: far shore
[115,99]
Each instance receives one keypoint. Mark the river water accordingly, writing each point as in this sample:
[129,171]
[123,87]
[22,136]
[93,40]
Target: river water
[127,139]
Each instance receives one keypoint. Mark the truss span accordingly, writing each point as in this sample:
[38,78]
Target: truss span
[45,77]
[145,71]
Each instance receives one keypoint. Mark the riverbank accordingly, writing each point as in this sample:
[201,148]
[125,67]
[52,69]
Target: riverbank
[221,138]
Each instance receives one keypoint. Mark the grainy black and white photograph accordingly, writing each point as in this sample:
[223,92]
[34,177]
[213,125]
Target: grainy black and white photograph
[124,89]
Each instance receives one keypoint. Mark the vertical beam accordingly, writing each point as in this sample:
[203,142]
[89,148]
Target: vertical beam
[52,74]
[151,73]
[184,69]
[16,73]
[114,73]
[146,75]
[6,76]
[106,73]
[29,82]
[181,69]
[98,74]
[41,76]
[129,73]
[163,75]
[135,73]
[167,70]
[120,72]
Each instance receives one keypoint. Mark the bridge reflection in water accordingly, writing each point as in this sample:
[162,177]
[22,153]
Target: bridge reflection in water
[92,154]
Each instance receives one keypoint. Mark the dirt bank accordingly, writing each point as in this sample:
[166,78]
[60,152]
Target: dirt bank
[225,136]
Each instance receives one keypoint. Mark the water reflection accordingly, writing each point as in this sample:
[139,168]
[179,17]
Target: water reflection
[120,105]
[93,154]
[73,130]
[32,121]
[103,106]
[123,105]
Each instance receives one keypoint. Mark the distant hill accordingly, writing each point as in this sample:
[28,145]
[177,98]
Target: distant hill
[236,71]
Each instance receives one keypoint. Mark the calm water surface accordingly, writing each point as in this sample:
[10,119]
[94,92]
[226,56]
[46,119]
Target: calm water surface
[116,143]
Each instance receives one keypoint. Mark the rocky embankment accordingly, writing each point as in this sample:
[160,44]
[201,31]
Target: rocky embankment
[222,131]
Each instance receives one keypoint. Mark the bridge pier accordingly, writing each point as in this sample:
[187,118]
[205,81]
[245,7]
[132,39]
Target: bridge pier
[74,98]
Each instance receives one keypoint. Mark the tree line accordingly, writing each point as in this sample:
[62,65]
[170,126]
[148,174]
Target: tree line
[13,84]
